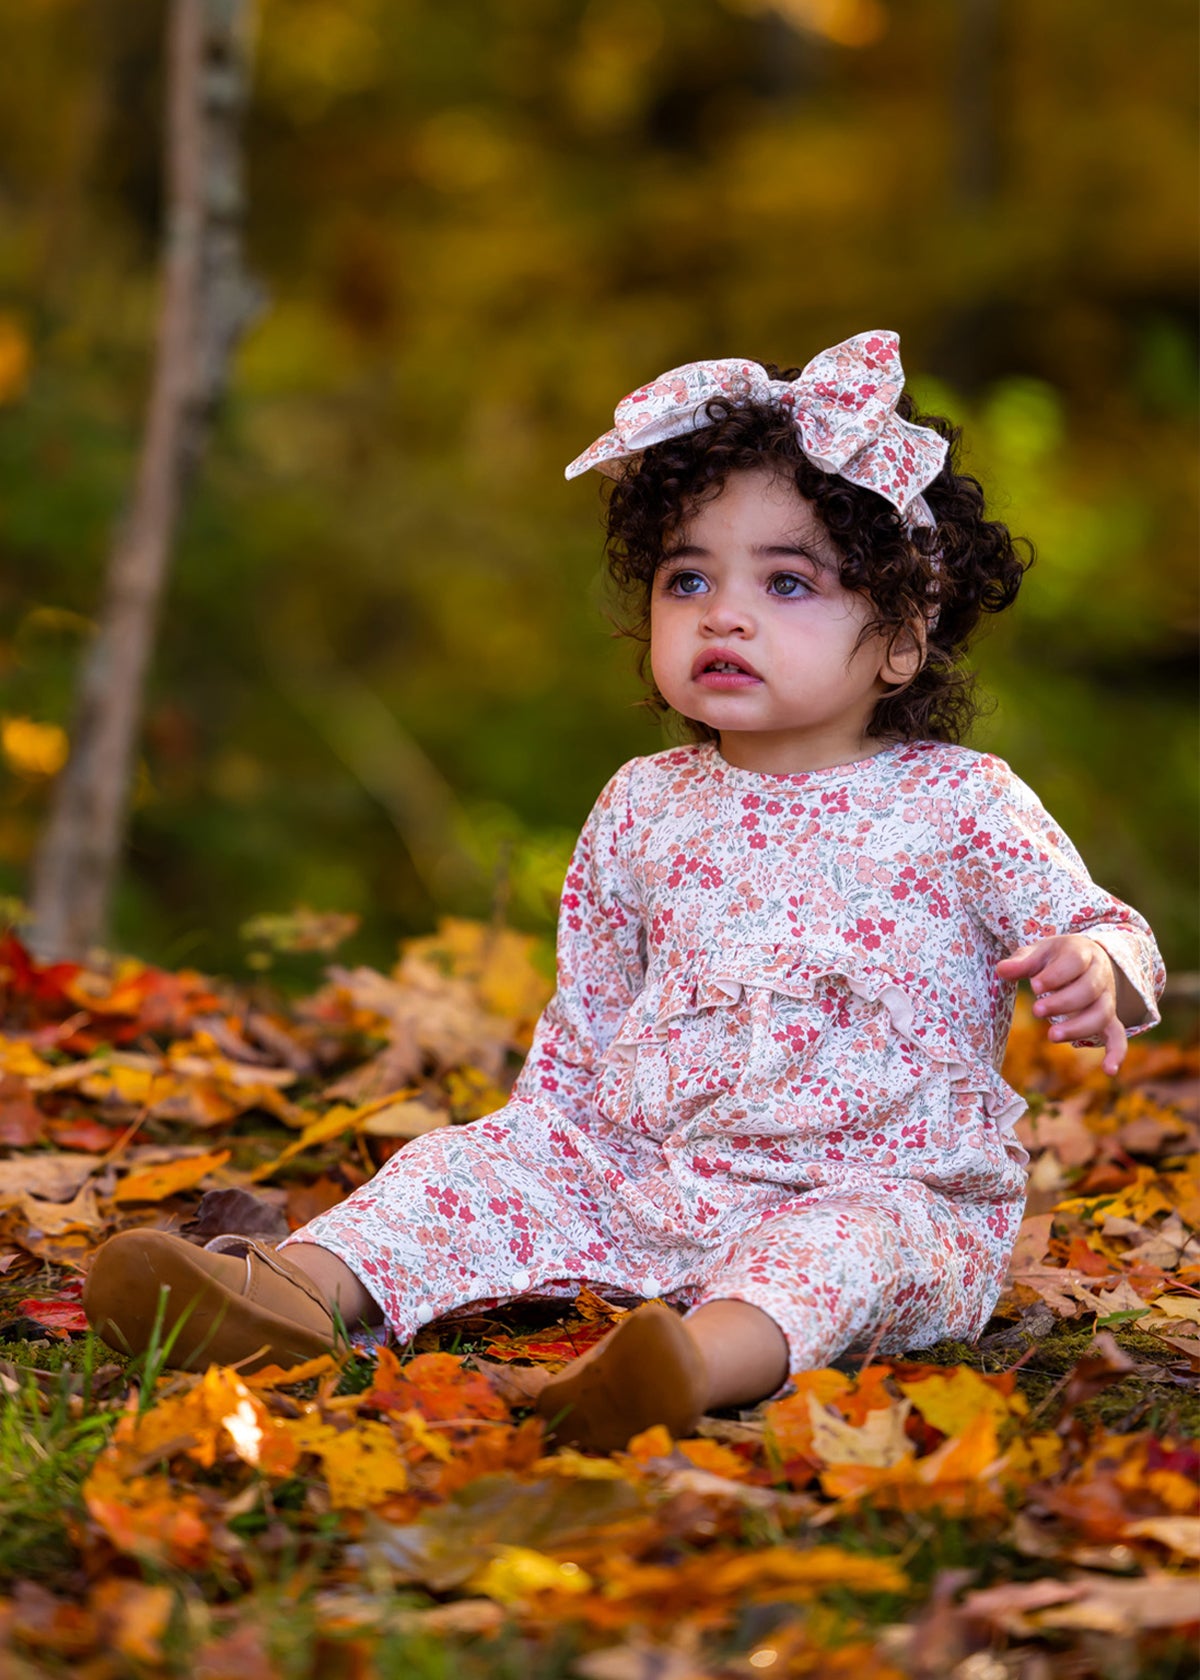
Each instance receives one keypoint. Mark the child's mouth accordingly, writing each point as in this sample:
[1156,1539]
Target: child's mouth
[725,674]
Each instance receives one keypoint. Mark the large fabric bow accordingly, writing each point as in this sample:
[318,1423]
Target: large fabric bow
[843,406]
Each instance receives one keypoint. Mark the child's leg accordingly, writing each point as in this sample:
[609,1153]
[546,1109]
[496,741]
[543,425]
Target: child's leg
[905,1267]
[337,1283]
[745,1352]
[795,1292]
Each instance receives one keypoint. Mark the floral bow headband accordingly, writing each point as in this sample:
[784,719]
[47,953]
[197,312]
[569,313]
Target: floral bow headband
[843,406]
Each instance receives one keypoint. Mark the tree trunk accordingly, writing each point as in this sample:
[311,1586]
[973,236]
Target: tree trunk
[206,304]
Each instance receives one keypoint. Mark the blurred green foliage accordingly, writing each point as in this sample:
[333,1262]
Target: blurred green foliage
[385,682]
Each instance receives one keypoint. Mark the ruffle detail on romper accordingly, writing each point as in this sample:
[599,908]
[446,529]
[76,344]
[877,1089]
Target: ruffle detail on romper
[917,1012]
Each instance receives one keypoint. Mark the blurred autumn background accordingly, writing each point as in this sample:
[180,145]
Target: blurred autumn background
[384,682]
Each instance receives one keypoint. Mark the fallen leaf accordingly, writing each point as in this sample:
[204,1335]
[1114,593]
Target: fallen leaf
[62,1314]
[134,1617]
[54,1178]
[950,1400]
[362,1465]
[514,1574]
[880,1440]
[21,1121]
[154,1184]
[1032,1241]
[237,1213]
[1180,1535]
[408,1119]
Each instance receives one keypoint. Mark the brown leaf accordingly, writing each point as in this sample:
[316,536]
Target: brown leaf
[1105,1365]
[21,1121]
[56,1178]
[240,1655]
[51,1624]
[306,1201]
[1033,1239]
[237,1213]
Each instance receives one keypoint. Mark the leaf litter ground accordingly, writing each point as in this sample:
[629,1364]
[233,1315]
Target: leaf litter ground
[1024,1506]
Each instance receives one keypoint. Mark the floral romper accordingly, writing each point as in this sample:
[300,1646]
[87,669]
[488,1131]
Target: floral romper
[770,1070]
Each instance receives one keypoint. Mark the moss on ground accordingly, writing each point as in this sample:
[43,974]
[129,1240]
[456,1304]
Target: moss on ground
[1137,1402]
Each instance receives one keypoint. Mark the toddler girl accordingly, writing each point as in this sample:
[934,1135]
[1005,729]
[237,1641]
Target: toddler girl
[766,1091]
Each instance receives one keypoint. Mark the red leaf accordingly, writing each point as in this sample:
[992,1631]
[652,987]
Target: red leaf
[84,1133]
[58,1313]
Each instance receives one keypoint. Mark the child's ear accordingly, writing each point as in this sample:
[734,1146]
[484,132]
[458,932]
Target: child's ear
[904,655]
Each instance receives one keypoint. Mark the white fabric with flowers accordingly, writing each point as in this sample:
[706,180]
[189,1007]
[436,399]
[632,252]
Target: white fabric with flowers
[770,1071]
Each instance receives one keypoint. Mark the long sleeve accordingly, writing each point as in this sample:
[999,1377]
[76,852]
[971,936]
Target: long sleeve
[601,960]
[1024,881]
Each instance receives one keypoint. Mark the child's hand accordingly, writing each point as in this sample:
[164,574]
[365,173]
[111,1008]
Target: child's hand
[1072,977]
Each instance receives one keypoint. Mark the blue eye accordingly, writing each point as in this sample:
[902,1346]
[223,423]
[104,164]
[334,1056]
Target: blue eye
[685,583]
[788,585]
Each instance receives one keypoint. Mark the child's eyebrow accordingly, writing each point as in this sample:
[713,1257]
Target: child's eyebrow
[788,549]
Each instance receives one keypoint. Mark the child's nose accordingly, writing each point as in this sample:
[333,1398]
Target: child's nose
[726,613]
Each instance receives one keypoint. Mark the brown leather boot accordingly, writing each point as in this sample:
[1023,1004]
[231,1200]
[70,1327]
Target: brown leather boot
[250,1308]
[647,1370]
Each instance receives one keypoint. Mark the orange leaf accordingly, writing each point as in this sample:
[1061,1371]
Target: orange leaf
[435,1384]
[960,1477]
[153,1184]
[145,1517]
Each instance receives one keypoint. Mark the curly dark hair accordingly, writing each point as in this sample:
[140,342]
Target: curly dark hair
[979,568]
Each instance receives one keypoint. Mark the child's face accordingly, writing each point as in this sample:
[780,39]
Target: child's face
[752,576]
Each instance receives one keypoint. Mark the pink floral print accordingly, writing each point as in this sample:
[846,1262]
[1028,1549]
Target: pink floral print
[843,406]
[770,1071]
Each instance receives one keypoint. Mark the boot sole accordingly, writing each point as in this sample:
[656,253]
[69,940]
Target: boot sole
[211,1325]
[647,1371]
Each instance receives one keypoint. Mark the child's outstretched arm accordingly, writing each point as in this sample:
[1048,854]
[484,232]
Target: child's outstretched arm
[1075,981]
[1090,959]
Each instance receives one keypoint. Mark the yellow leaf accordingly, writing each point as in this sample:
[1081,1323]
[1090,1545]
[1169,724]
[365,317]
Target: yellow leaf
[959,1476]
[580,1467]
[135,1085]
[17,1057]
[152,1184]
[789,1421]
[516,1573]
[1034,1459]
[1180,1534]
[818,1566]
[404,1120]
[1174,1307]
[498,961]
[217,1414]
[329,1126]
[1140,1200]
[32,749]
[419,1431]
[879,1441]
[950,1400]
[279,1376]
[362,1466]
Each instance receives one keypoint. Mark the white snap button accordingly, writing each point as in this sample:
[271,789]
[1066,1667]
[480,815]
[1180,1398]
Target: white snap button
[424,1313]
[520,1280]
[651,1287]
